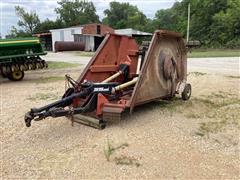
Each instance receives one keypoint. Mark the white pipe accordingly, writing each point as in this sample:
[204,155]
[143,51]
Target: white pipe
[139,64]
[124,85]
[133,81]
[188,22]
[112,77]
[129,83]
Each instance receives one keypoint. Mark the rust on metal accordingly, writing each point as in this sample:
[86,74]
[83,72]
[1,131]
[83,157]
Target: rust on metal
[113,51]
[164,66]
[120,76]
[68,46]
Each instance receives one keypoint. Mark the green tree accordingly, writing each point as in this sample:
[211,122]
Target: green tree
[47,24]
[14,33]
[77,12]
[216,23]
[28,20]
[202,19]
[124,15]
[227,25]
[165,19]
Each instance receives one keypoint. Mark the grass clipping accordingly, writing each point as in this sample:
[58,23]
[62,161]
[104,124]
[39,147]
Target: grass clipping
[216,114]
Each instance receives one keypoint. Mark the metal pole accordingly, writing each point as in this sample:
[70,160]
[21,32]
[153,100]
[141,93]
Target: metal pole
[188,22]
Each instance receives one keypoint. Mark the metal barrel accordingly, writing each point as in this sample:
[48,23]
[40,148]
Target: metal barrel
[69,46]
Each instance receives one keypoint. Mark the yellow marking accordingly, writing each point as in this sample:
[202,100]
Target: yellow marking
[22,41]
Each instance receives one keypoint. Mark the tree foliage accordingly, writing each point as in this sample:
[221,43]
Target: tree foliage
[216,23]
[14,33]
[77,12]
[227,25]
[124,15]
[28,20]
[47,25]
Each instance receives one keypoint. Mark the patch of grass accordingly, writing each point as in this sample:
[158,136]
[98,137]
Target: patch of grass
[50,79]
[201,53]
[222,110]
[43,96]
[220,95]
[84,53]
[217,95]
[211,127]
[200,134]
[125,160]
[196,108]
[196,73]
[193,115]
[235,77]
[61,65]
[205,102]
[170,106]
[211,104]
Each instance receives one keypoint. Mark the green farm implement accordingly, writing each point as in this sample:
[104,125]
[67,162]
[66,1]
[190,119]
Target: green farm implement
[19,55]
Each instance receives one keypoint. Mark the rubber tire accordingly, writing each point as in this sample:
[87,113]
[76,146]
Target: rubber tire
[186,94]
[4,75]
[12,77]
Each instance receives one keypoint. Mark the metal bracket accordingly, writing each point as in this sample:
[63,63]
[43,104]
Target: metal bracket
[180,87]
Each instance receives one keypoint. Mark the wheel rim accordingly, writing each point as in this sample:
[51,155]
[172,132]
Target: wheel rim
[17,75]
[188,92]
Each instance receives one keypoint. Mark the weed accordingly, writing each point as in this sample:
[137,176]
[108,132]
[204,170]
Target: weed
[109,150]
[122,160]
[125,160]
[199,134]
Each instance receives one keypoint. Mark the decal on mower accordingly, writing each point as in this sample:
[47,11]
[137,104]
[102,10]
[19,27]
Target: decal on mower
[101,89]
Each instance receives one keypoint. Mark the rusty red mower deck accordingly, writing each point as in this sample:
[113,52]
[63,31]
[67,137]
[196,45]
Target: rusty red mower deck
[120,77]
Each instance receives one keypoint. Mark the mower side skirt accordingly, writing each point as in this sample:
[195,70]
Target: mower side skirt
[165,47]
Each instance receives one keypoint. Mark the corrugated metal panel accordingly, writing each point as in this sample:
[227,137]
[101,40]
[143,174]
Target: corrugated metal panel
[68,35]
[87,40]
[55,37]
[79,28]
[65,34]
[131,32]
[61,35]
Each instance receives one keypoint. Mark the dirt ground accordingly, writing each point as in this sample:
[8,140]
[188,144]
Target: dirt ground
[197,139]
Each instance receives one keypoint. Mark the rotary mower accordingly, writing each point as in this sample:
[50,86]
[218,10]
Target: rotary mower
[121,76]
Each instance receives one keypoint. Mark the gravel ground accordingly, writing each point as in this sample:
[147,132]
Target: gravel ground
[223,65]
[72,57]
[158,141]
